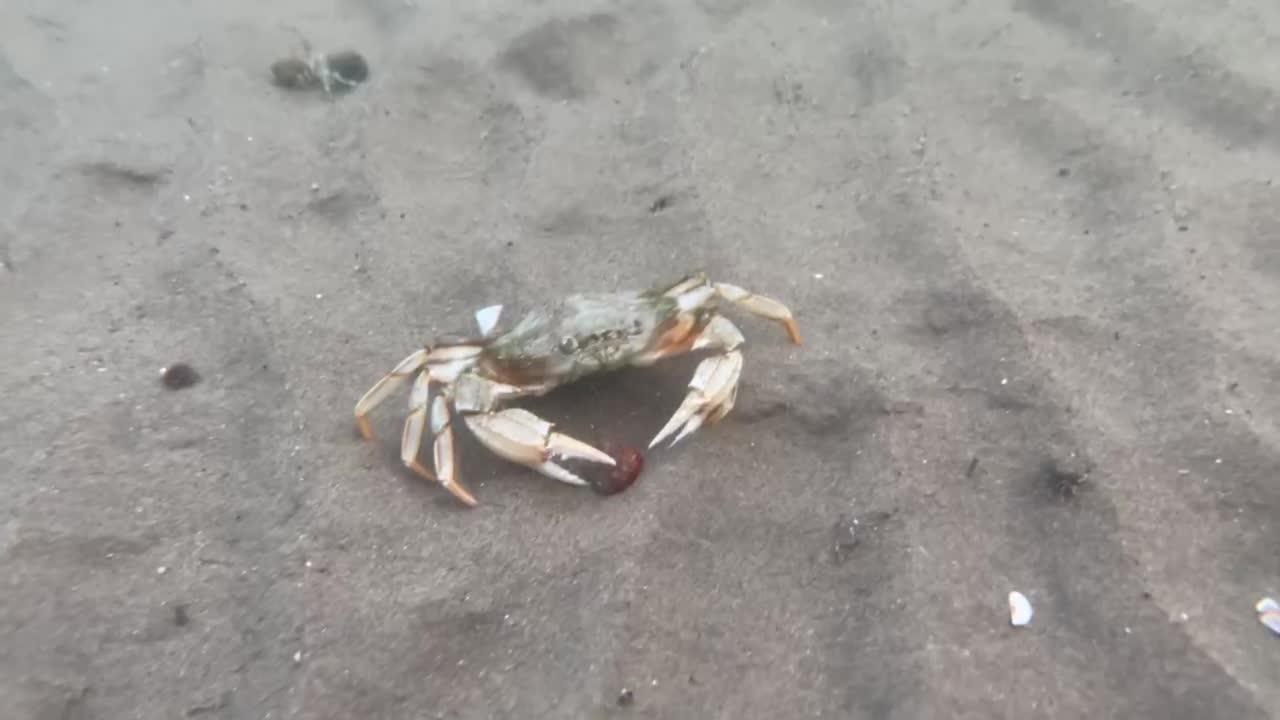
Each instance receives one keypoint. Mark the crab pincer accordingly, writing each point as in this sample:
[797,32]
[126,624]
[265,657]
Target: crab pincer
[522,437]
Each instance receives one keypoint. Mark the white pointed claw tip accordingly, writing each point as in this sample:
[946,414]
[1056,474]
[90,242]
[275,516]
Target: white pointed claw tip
[687,418]
[711,394]
[694,423]
[1020,611]
[461,493]
[1267,604]
[679,419]
[487,319]
[557,472]
[564,446]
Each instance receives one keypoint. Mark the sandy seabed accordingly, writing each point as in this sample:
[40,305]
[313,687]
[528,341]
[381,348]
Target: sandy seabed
[1032,247]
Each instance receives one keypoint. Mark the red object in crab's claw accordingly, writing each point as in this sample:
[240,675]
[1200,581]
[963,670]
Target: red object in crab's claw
[621,476]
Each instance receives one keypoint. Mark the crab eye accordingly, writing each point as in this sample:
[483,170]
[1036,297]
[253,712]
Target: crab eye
[567,345]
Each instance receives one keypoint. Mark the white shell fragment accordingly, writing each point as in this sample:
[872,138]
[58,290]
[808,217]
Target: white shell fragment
[487,319]
[1019,609]
[1271,620]
[1269,613]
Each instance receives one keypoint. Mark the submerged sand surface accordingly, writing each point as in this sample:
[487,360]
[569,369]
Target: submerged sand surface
[1032,247]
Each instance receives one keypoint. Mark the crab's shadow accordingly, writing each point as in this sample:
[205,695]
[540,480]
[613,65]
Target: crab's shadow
[625,408]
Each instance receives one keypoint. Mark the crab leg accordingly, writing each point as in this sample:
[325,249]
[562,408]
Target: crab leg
[712,392]
[445,451]
[714,387]
[695,290]
[522,437]
[385,387]
[442,432]
[760,305]
[443,363]
[415,424]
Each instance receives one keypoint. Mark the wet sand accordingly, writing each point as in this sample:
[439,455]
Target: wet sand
[1031,248]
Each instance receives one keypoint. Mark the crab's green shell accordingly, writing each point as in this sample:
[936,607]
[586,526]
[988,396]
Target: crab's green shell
[581,335]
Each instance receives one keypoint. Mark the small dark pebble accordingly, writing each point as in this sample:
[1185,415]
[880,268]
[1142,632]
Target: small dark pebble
[1063,172]
[1146,594]
[973,465]
[626,698]
[292,73]
[1065,477]
[349,65]
[903,407]
[844,538]
[1232,387]
[179,376]
[1182,228]
[180,617]
[662,203]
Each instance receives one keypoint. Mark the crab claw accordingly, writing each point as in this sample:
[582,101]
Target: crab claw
[522,437]
[712,392]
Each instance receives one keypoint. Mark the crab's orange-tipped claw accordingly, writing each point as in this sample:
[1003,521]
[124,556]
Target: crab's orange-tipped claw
[793,331]
[712,393]
[522,437]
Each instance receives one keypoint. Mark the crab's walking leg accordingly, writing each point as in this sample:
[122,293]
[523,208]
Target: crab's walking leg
[714,387]
[384,388]
[524,438]
[696,289]
[762,306]
[443,451]
[415,424]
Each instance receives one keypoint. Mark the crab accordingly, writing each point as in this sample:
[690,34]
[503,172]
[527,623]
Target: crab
[474,378]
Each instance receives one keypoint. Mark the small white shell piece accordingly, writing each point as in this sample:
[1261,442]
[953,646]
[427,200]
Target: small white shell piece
[1269,614]
[1271,620]
[1019,609]
[487,319]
